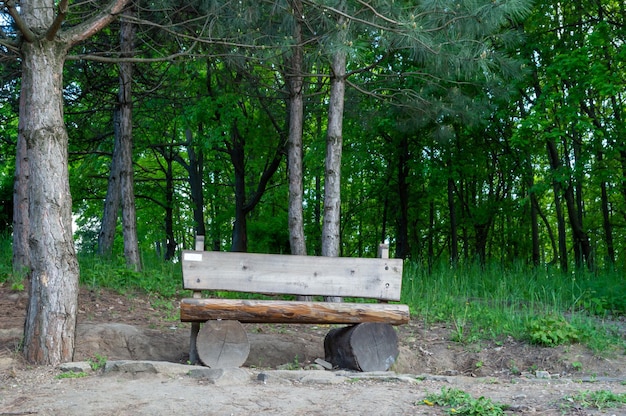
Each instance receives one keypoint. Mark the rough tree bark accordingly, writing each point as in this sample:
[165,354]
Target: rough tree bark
[20,204]
[127,185]
[121,174]
[331,229]
[106,236]
[50,323]
[297,241]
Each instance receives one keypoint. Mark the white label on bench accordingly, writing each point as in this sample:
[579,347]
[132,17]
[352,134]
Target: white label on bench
[193,256]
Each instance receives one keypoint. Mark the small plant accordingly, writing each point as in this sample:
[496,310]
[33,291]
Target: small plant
[462,403]
[71,374]
[97,362]
[577,366]
[601,399]
[552,330]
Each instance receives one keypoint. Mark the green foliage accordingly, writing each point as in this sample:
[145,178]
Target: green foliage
[600,399]
[460,402]
[551,330]
[97,362]
[71,374]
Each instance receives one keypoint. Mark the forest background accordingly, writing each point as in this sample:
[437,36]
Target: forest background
[457,132]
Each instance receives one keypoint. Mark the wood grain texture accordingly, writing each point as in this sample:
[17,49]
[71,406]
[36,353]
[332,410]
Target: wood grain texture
[223,344]
[278,311]
[362,347]
[290,274]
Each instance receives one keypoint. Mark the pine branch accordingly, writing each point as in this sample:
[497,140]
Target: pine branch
[56,25]
[27,34]
[87,29]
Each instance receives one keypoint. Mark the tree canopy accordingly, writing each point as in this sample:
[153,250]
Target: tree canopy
[472,131]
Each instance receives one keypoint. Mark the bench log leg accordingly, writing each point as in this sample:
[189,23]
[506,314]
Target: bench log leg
[362,347]
[193,350]
[223,344]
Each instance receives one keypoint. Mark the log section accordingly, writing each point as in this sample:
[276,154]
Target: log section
[276,311]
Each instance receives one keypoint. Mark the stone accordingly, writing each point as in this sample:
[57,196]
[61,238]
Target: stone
[221,376]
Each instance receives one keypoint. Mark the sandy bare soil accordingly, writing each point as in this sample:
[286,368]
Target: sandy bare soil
[280,377]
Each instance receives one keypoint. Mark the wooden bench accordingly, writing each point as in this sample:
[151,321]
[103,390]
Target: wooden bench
[368,343]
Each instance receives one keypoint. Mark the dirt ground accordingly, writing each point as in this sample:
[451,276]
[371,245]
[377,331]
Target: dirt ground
[528,379]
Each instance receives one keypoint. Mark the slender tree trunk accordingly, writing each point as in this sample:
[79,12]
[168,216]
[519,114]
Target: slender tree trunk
[555,164]
[127,186]
[534,214]
[21,252]
[237,157]
[331,230]
[51,314]
[195,169]
[454,232]
[606,216]
[170,240]
[112,203]
[402,244]
[297,241]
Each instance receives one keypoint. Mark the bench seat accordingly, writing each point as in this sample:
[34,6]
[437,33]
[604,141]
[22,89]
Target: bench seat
[284,312]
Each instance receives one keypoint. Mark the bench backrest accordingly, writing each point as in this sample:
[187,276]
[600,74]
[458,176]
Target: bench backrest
[377,278]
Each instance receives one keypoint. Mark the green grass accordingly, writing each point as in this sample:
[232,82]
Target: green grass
[458,402]
[601,399]
[157,276]
[540,306]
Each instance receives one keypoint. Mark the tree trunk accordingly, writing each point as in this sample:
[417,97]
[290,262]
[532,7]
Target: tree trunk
[108,225]
[454,234]
[237,157]
[50,323]
[21,252]
[331,241]
[127,187]
[607,226]
[402,245]
[556,186]
[53,294]
[195,168]
[297,241]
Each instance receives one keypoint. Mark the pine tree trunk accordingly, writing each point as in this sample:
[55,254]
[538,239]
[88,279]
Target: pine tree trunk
[112,203]
[331,230]
[127,186]
[21,252]
[51,314]
[50,324]
[294,156]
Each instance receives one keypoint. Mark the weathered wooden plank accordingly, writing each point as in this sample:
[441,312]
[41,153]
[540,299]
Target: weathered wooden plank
[277,311]
[289,274]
